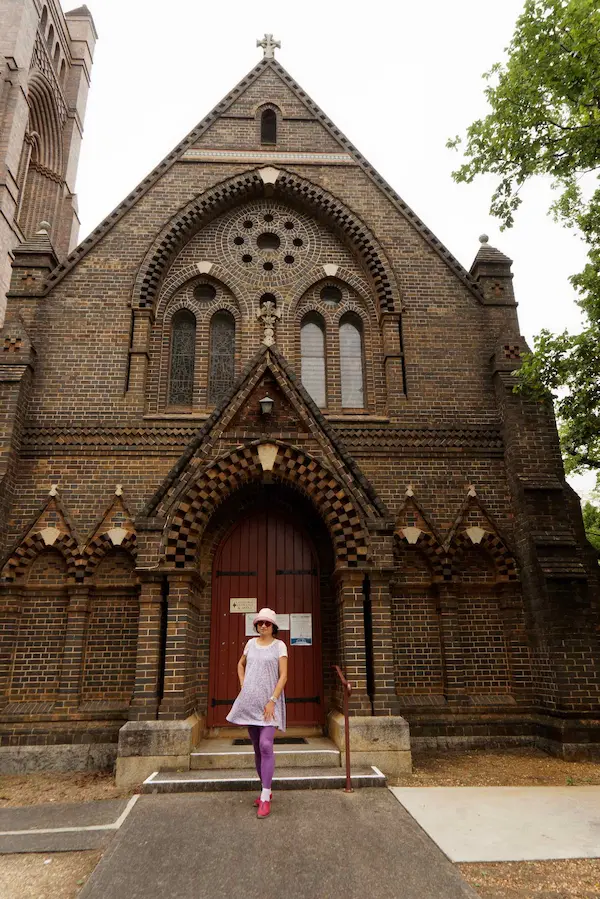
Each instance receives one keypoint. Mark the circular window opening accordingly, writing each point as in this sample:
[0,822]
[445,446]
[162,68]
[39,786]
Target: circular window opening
[248,224]
[238,241]
[268,266]
[204,292]
[246,258]
[268,241]
[331,294]
[268,217]
[290,226]
[298,241]
[290,260]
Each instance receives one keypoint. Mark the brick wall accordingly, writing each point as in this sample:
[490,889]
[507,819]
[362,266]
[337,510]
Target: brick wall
[435,417]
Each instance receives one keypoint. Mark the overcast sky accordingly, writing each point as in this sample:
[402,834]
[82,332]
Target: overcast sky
[397,76]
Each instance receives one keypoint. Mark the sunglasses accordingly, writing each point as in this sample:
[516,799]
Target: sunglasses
[264,624]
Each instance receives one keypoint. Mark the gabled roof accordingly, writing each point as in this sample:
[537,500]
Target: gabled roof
[151,179]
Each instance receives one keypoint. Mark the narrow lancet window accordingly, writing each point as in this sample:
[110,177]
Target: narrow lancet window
[183,357]
[351,363]
[268,127]
[312,351]
[222,357]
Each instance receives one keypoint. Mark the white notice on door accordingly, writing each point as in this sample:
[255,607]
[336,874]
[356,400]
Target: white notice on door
[242,604]
[301,629]
[283,622]
[250,632]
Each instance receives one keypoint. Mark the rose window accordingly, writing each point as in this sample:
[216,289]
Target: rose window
[268,243]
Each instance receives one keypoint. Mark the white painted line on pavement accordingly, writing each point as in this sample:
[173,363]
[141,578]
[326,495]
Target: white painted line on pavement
[114,826]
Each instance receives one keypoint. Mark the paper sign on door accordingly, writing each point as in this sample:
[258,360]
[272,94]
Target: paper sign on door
[301,629]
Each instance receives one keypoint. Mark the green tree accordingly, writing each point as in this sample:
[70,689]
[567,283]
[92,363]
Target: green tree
[591,521]
[545,120]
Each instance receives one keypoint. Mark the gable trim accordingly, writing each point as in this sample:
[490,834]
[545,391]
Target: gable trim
[177,153]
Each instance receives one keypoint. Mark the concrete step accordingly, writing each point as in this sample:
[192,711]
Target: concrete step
[317,752]
[242,779]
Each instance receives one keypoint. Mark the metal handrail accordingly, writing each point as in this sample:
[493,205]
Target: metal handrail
[347,688]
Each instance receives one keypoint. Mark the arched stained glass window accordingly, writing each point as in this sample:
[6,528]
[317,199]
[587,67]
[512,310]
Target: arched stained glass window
[268,127]
[222,357]
[351,362]
[312,352]
[183,357]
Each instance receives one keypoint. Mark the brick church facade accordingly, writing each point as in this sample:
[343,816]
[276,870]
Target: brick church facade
[262,378]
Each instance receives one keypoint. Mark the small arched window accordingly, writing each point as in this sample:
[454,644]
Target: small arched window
[50,39]
[44,20]
[222,357]
[312,352]
[268,127]
[183,357]
[56,58]
[351,362]
[63,72]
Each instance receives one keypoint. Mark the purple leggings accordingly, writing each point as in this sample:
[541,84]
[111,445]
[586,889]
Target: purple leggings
[264,757]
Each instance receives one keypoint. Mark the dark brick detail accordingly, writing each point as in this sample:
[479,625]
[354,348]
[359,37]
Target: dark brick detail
[233,192]
[194,509]
[31,547]
[492,545]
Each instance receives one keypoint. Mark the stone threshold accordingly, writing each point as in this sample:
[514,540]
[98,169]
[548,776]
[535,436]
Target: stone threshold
[242,780]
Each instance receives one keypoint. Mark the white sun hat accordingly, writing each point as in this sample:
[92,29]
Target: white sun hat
[266,615]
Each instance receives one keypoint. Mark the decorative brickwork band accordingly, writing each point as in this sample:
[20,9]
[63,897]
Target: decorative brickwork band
[248,186]
[290,465]
[492,544]
[31,547]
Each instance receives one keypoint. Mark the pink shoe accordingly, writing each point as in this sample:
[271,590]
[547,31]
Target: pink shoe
[256,802]
[264,809]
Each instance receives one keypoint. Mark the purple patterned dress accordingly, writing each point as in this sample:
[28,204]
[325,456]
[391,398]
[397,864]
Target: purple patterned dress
[262,674]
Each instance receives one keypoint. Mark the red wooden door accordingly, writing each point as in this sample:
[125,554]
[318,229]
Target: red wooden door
[266,556]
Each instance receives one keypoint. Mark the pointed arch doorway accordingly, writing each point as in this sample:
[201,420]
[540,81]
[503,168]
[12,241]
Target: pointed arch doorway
[267,555]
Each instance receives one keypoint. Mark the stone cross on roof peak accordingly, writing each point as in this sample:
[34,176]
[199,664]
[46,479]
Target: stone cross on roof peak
[268,45]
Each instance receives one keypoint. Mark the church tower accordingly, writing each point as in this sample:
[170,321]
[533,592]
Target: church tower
[45,64]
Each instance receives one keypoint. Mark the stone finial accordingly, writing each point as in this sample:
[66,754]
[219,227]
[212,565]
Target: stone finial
[268,45]
[43,228]
[119,490]
[483,239]
[471,491]
[269,315]
[409,491]
[53,490]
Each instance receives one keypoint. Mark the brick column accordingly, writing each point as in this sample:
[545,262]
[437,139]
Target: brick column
[452,650]
[139,354]
[144,703]
[351,630]
[393,362]
[386,701]
[11,601]
[510,603]
[71,673]
[185,599]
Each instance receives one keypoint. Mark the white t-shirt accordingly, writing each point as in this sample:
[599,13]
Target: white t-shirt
[282,648]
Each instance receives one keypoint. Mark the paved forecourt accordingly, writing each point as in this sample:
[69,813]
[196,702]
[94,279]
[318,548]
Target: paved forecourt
[321,843]
[494,824]
[62,827]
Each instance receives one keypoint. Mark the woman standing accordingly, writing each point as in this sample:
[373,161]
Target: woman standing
[260,705]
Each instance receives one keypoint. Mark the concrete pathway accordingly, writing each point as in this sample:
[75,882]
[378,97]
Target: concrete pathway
[321,843]
[494,824]
[62,828]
